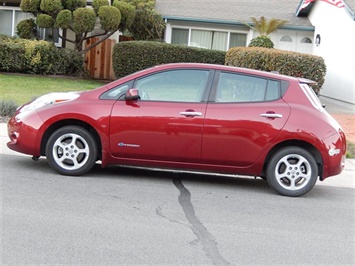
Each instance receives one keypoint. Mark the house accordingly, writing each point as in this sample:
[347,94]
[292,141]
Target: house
[11,15]
[221,25]
[334,23]
[321,27]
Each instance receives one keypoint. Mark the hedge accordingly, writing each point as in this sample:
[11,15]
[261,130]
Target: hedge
[37,57]
[285,62]
[129,57]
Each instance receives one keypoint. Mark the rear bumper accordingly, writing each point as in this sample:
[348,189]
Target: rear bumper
[334,155]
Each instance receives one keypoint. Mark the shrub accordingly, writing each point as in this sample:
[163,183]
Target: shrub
[97,4]
[84,20]
[7,108]
[128,13]
[110,18]
[38,57]
[261,41]
[30,5]
[129,57]
[52,7]
[45,21]
[64,19]
[73,4]
[4,37]
[285,62]
[27,29]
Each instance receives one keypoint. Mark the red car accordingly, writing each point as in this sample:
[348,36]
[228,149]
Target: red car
[190,117]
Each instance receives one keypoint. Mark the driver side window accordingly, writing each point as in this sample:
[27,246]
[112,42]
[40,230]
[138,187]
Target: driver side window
[183,85]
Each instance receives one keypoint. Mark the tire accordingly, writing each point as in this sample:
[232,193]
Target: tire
[71,150]
[292,171]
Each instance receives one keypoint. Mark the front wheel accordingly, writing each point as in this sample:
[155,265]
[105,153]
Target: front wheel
[71,150]
[292,171]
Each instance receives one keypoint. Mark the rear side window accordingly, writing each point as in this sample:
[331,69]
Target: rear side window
[242,88]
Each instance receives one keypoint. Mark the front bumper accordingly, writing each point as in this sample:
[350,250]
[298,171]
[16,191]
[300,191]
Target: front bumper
[25,136]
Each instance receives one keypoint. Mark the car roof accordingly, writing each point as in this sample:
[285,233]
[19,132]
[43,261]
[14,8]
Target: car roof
[243,70]
[246,71]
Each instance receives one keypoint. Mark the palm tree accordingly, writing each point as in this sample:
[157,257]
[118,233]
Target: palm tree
[264,28]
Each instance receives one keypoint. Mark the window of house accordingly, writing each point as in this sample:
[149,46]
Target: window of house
[237,39]
[209,39]
[51,35]
[215,40]
[19,16]
[180,36]
[306,40]
[6,22]
[9,19]
[286,39]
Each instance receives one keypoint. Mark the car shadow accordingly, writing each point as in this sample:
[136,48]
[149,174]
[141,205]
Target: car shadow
[202,179]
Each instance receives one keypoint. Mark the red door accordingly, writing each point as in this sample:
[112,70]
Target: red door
[166,123]
[157,130]
[245,116]
[237,134]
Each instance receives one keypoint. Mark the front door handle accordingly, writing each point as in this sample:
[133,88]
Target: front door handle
[271,115]
[191,113]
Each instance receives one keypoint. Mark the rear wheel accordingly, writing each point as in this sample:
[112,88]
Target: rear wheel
[292,171]
[71,150]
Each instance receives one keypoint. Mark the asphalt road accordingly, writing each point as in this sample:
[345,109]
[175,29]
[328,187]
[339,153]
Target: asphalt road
[126,216]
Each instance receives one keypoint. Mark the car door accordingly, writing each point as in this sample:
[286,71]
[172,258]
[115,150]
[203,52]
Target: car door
[245,115]
[166,123]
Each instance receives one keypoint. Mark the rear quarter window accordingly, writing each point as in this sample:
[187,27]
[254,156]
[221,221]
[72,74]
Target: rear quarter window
[311,95]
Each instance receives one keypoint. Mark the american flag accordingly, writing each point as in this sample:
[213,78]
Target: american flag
[337,3]
[306,3]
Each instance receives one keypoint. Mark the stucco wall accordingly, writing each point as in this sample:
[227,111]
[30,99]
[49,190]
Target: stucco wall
[337,31]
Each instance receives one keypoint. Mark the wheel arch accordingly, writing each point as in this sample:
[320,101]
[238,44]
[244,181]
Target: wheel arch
[296,143]
[71,122]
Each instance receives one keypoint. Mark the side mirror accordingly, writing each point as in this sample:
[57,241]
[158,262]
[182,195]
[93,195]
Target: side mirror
[132,95]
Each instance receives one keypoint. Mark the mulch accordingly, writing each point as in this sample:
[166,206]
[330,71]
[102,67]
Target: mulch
[347,122]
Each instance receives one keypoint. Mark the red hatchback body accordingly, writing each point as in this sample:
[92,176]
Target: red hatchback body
[193,117]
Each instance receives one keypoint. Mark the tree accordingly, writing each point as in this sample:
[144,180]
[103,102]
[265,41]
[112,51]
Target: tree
[76,16]
[264,28]
[148,24]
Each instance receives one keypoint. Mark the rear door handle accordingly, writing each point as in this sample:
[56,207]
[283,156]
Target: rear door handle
[271,115]
[191,113]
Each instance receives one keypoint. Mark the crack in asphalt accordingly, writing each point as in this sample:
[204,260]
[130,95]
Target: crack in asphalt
[208,241]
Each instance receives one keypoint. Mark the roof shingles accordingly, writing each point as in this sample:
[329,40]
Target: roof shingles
[234,11]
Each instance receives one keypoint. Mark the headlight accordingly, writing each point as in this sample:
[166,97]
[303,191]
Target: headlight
[51,98]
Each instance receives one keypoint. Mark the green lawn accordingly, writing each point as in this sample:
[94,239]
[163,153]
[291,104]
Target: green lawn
[23,88]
